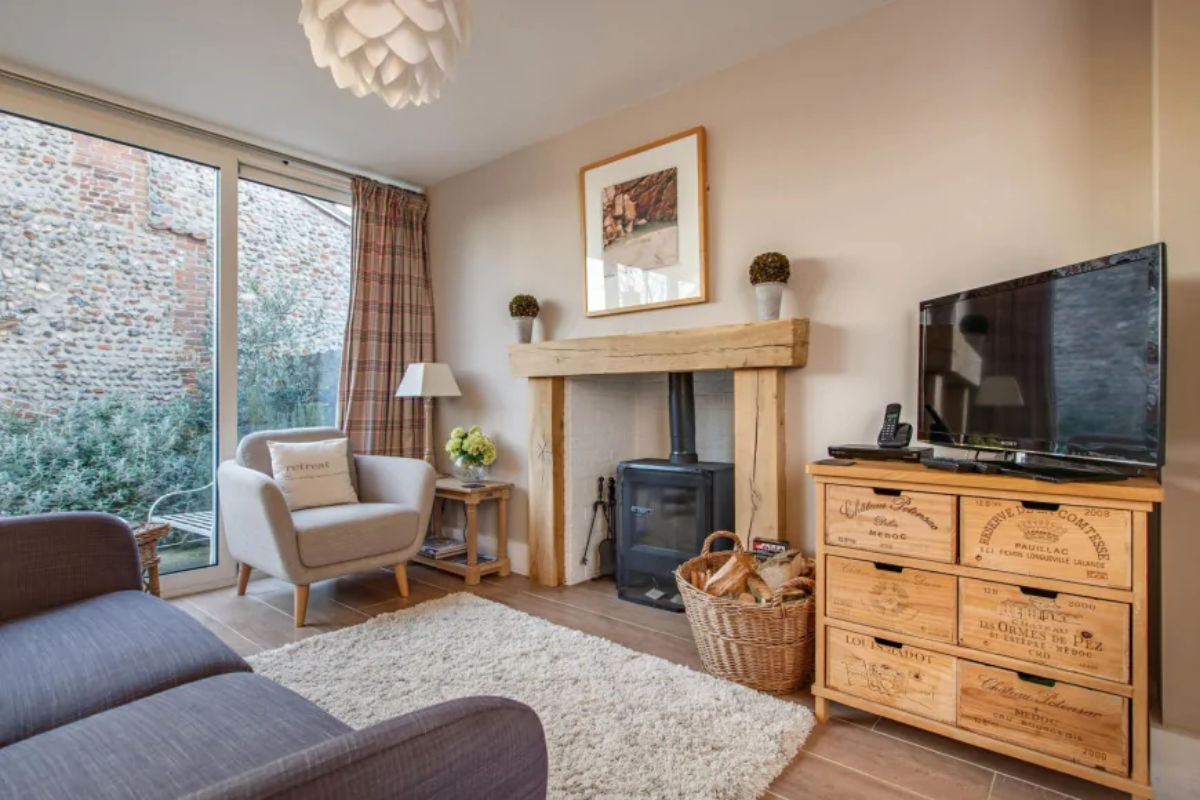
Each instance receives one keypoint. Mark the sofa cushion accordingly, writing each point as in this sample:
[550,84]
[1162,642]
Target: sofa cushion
[168,744]
[72,661]
[333,534]
[49,560]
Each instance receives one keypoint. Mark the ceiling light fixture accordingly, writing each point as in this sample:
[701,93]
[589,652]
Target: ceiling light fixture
[401,50]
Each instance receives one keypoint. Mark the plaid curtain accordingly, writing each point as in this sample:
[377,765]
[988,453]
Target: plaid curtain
[391,320]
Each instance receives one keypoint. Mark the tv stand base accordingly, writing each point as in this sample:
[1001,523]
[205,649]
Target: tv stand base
[1059,474]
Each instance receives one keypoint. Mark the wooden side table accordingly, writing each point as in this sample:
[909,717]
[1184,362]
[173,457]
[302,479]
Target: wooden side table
[471,497]
[147,537]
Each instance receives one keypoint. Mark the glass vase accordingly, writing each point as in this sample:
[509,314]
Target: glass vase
[468,471]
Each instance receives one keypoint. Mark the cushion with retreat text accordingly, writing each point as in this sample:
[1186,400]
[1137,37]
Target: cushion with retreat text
[313,474]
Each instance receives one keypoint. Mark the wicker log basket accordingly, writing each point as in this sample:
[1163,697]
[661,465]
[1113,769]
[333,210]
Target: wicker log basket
[766,646]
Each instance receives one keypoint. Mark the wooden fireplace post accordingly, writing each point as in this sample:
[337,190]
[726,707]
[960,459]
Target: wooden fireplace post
[759,454]
[547,559]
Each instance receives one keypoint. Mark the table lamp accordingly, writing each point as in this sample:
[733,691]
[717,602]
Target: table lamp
[428,380]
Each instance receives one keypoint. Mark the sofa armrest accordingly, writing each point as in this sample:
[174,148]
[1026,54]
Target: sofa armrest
[49,560]
[472,747]
[408,482]
[258,524]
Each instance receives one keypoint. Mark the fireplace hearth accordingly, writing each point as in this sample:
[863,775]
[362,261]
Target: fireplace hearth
[668,506]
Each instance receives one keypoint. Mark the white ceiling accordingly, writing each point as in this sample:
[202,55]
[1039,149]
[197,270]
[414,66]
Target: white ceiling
[536,68]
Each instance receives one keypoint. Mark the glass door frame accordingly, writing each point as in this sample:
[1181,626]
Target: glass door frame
[107,120]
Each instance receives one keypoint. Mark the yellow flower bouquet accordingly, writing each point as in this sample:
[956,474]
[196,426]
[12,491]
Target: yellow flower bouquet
[472,451]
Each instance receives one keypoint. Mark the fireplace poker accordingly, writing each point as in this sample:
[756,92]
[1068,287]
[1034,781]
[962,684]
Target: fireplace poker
[607,550]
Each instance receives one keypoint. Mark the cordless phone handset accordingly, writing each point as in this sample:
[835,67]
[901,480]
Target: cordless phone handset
[893,433]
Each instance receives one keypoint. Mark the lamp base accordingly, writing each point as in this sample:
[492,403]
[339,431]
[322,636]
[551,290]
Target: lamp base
[429,431]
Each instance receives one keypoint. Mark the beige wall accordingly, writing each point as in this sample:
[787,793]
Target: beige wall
[927,147]
[1177,35]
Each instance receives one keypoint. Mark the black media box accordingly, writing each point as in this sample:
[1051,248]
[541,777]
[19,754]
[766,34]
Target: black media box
[868,452]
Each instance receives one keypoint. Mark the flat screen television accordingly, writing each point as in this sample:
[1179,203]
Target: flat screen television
[1067,362]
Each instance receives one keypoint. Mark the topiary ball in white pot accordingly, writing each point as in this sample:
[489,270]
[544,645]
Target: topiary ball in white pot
[769,273]
[524,309]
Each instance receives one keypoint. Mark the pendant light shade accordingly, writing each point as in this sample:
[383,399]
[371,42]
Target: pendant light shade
[401,50]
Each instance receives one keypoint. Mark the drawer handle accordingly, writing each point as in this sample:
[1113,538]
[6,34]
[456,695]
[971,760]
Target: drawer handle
[886,492]
[1034,592]
[1037,505]
[1040,681]
[888,567]
[888,643]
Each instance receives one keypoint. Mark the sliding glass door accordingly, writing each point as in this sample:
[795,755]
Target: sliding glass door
[293,297]
[162,293]
[108,266]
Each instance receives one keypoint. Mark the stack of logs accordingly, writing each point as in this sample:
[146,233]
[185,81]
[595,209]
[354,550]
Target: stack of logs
[745,579]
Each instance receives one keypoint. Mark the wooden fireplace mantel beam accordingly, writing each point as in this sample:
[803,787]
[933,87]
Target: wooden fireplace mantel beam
[779,343]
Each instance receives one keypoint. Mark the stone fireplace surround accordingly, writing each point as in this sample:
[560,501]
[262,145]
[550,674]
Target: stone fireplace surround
[597,401]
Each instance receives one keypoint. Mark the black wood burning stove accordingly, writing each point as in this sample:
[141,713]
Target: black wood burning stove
[668,506]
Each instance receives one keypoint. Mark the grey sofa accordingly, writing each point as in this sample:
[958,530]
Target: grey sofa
[384,529]
[107,692]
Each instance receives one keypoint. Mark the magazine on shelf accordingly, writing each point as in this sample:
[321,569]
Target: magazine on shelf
[480,558]
[442,547]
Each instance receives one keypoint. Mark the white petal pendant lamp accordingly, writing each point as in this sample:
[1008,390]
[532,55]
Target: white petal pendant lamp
[401,50]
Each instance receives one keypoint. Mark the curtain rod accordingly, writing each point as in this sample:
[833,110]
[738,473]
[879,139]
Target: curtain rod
[123,105]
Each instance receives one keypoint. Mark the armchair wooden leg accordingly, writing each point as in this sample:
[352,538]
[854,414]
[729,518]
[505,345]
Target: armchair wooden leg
[243,578]
[300,604]
[401,571]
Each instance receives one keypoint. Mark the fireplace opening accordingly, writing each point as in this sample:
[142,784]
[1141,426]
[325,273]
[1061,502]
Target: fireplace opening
[666,507]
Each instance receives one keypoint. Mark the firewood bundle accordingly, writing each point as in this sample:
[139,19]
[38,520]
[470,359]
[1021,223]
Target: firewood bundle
[752,620]
[747,580]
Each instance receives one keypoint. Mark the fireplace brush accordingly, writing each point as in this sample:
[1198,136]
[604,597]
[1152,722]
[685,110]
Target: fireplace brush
[598,506]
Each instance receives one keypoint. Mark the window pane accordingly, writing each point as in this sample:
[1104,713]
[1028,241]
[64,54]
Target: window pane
[293,297]
[106,333]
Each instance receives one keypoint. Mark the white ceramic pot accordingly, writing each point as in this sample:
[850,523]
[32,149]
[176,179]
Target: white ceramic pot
[524,329]
[768,296]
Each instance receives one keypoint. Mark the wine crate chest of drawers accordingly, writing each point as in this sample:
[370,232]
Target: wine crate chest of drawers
[1007,613]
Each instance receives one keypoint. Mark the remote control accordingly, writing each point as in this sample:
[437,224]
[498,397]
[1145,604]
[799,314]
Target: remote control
[950,464]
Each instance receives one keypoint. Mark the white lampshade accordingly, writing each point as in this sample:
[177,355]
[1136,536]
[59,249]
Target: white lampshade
[428,380]
[401,50]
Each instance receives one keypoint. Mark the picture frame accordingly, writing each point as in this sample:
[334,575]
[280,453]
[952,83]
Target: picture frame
[644,224]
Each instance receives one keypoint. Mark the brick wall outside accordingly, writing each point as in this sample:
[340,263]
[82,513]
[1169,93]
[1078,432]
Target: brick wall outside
[107,264]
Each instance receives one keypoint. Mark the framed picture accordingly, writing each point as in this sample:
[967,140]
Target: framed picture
[644,227]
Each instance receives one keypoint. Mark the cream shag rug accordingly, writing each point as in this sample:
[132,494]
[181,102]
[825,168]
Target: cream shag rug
[619,724]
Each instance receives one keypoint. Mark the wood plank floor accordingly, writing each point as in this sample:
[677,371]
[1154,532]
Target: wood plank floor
[853,757]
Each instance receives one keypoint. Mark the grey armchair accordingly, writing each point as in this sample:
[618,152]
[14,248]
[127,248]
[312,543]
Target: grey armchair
[385,528]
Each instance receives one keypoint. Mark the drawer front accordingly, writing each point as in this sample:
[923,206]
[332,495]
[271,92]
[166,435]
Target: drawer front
[901,676]
[1072,543]
[909,601]
[1062,630]
[1070,722]
[914,524]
